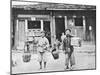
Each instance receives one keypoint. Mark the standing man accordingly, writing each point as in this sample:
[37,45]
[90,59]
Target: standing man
[62,37]
[43,45]
[34,42]
[68,48]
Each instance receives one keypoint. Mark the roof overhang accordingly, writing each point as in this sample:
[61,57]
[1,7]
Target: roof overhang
[50,6]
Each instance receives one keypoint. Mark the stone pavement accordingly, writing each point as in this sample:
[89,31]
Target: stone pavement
[84,58]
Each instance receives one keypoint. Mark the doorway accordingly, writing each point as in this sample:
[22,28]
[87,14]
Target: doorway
[46,28]
[60,27]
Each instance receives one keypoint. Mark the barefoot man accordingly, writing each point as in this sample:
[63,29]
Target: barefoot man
[68,49]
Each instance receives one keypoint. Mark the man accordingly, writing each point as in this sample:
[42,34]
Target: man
[57,43]
[62,37]
[34,42]
[43,45]
[68,48]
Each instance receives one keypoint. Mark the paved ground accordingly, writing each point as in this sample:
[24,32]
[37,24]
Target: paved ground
[84,58]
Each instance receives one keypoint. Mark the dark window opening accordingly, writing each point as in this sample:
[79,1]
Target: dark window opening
[46,28]
[60,27]
[79,21]
[34,24]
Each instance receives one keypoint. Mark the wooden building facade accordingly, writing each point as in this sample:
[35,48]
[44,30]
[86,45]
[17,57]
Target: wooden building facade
[53,18]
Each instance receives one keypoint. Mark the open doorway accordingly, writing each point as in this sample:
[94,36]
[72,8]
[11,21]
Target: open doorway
[60,27]
[46,28]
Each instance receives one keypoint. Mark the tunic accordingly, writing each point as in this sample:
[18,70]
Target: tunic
[43,45]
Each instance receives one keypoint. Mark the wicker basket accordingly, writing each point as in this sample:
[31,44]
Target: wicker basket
[26,57]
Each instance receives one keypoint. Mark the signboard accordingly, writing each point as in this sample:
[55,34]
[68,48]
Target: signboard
[75,41]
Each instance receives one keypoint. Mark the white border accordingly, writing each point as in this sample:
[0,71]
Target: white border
[5,36]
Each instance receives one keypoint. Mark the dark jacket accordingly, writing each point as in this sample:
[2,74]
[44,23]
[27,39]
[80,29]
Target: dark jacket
[67,44]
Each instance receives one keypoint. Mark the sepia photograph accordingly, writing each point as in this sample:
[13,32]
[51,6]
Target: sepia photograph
[52,37]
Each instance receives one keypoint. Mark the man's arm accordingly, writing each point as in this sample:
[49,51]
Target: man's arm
[63,44]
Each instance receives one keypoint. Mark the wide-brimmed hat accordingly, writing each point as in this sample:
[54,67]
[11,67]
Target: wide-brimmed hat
[67,30]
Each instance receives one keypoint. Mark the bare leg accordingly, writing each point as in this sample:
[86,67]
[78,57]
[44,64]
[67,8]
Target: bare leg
[40,64]
[66,61]
[45,64]
[44,59]
[72,60]
[41,56]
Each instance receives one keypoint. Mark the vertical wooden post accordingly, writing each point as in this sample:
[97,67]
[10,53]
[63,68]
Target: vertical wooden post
[53,29]
[26,25]
[17,24]
[84,27]
[16,33]
[26,29]
[41,25]
[65,22]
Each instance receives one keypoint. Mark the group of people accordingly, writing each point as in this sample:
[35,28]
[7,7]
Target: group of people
[43,47]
